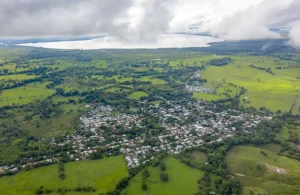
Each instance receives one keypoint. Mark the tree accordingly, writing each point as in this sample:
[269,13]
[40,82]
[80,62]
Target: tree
[144,186]
[206,178]
[164,177]
[146,173]
[163,166]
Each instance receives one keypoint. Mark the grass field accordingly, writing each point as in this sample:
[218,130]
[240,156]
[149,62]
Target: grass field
[25,94]
[55,126]
[116,90]
[101,174]
[287,129]
[16,77]
[192,60]
[260,173]
[199,157]
[276,92]
[182,180]
[154,81]
[138,94]
[141,69]
[223,91]
[156,102]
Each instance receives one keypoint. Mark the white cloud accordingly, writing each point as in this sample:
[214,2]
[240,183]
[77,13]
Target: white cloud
[163,41]
[295,35]
[143,21]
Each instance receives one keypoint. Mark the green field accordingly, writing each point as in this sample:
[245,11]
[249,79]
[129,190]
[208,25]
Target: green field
[154,81]
[270,173]
[276,92]
[16,77]
[117,90]
[199,157]
[197,61]
[182,180]
[101,174]
[26,94]
[56,125]
[138,94]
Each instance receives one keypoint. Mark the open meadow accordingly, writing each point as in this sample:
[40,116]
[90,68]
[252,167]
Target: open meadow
[101,174]
[138,94]
[25,94]
[261,170]
[182,180]
[275,89]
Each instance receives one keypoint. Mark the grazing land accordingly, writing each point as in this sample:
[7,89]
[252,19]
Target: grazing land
[24,95]
[199,157]
[276,91]
[101,174]
[137,95]
[182,180]
[262,170]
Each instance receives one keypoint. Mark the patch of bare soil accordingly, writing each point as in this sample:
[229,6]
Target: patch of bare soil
[273,169]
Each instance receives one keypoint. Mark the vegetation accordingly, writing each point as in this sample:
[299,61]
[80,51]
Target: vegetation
[178,179]
[44,92]
[263,171]
[101,175]
[138,95]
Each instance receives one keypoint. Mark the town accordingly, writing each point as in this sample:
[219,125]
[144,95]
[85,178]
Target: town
[139,134]
[170,126]
[181,126]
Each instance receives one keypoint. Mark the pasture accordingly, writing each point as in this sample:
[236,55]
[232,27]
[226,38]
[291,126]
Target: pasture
[138,95]
[154,81]
[25,94]
[199,157]
[16,77]
[223,91]
[182,180]
[275,92]
[101,174]
[54,126]
[260,169]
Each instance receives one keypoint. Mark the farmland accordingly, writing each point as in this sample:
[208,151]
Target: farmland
[138,95]
[275,92]
[24,95]
[263,171]
[101,174]
[182,180]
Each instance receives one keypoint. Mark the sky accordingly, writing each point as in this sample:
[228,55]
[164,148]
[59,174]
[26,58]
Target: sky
[148,22]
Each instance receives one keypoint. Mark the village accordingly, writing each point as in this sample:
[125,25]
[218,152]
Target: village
[174,136]
[177,125]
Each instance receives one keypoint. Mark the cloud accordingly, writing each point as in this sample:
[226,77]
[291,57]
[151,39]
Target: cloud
[27,18]
[295,35]
[143,21]
[255,21]
[161,41]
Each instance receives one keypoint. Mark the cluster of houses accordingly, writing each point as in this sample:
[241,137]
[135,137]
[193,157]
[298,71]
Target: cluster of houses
[103,115]
[183,124]
[198,88]
[177,135]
